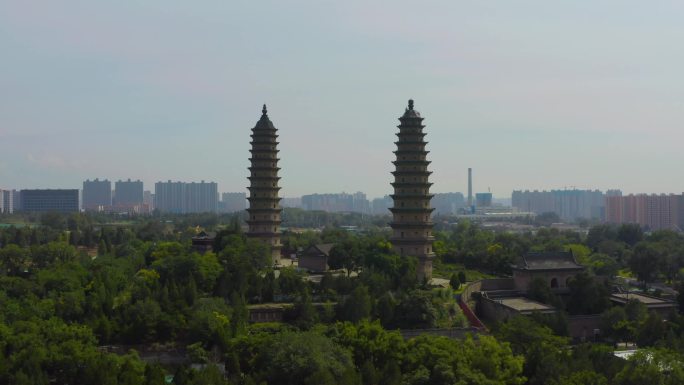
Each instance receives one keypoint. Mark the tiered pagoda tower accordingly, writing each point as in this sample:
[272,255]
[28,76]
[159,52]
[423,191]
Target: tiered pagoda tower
[264,204]
[411,224]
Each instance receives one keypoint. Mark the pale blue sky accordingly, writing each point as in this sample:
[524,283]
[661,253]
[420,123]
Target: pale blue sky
[531,94]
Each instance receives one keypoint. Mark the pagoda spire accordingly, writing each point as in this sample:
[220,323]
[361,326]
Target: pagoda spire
[411,223]
[264,203]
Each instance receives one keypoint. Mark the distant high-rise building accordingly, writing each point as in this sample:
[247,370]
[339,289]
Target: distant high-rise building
[411,224]
[169,197]
[233,202]
[49,200]
[183,198]
[653,212]
[128,193]
[483,199]
[148,199]
[448,203]
[97,195]
[380,206]
[6,202]
[264,203]
[342,202]
[202,197]
[570,205]
[295,202]
[16,200]
[360,203]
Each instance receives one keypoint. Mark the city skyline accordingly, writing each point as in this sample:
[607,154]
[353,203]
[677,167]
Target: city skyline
[537,97]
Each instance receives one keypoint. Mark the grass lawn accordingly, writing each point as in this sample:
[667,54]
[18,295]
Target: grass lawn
[445,270]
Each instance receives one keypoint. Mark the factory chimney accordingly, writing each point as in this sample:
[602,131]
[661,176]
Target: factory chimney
[470,188]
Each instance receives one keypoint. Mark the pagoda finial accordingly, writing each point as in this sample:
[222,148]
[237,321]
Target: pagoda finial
[410,104]
[263,110]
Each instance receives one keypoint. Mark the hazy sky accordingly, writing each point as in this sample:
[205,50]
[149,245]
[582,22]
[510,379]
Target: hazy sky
[530,94]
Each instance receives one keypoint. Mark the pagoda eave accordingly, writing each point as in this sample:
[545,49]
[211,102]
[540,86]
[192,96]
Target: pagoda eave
[408,210]
[412,197]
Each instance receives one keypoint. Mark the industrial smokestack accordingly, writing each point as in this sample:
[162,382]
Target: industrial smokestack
[470,187]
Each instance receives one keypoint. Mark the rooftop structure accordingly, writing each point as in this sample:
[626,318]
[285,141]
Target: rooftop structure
[558,260]
[315,257]
[128,193]
[653,212]
[203,242]
[663,306]
[97,195]
[264,203]
[49,200]
[411,224]
[570,204]
[183,198]
[556,268]
[524,305]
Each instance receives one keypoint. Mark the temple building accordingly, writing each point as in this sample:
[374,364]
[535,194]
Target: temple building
[411,223]
[557,268]
[264,204]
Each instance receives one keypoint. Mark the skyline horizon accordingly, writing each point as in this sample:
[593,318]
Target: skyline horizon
[541,96]
[349,192]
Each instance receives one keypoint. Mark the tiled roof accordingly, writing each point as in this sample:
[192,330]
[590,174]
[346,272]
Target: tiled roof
[325,247]
[321,248]
[557,260]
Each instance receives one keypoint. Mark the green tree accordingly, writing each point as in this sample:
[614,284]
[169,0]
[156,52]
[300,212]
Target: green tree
[357,306]
[630,233]
[545,353]
[454,282]
[439,360]
[644,262]
[309,357]
[587,295]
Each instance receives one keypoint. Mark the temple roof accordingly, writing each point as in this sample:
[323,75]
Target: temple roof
[555,260]
[264,122]
[322,248]
[410,112]
[204,235]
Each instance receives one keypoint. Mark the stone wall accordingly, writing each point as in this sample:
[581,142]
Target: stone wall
[583,327]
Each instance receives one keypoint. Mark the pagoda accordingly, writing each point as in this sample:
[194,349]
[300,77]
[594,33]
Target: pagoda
[264,204]
[411,223]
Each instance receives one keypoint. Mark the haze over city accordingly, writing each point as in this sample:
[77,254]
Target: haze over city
[530,95]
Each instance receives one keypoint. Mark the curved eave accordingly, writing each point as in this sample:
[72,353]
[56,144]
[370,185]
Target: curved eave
[412,196]
[272,160]
[411,162]
[411,225]
[411,173]
[404,151]
[262,139]
[410,184]
[260,199]
[412,142]
[409,210]
[264,189]
[262,178]
[410,122]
